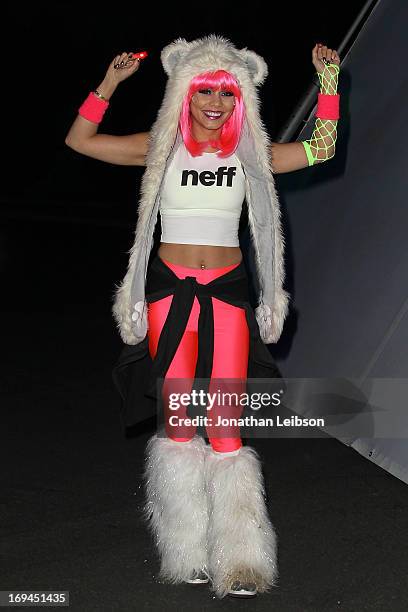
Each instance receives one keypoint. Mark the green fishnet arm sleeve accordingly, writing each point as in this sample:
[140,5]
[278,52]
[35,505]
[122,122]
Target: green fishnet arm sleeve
[322,144]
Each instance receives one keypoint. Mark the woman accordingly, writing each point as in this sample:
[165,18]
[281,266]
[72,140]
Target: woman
[188,307]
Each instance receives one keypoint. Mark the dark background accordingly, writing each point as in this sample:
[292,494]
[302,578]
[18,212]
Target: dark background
[71,483]
[55,54]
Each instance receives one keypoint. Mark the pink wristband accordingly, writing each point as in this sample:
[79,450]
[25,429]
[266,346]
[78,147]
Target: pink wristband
[93,108]
[328,106]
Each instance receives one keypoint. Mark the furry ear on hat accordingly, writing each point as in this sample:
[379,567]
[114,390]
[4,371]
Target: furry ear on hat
[171,54]
[257,67]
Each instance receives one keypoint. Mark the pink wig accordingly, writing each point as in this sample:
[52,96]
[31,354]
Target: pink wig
[231,130]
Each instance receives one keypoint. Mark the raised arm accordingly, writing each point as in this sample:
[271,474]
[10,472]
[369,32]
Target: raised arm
[290,156]
[83,134]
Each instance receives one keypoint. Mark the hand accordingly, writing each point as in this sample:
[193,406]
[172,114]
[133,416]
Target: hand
[122,67]
[321,52]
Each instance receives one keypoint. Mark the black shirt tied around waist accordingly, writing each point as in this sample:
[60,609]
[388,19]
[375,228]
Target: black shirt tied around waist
[136,374]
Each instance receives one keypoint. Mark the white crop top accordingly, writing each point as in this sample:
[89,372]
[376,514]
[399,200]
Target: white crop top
[201,199]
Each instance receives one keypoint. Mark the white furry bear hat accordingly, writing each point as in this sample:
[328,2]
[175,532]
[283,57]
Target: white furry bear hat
[183,60]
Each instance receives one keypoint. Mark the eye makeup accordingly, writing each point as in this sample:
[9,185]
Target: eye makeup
[209,91]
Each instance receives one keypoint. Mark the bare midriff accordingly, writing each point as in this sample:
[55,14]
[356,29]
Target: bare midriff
[200,255]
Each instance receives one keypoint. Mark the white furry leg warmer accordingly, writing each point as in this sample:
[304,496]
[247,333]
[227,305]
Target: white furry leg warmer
[176,505]
[242,544]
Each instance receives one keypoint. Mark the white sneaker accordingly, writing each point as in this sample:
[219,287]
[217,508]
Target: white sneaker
[199,577]
[244,590]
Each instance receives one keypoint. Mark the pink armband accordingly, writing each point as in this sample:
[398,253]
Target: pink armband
[93,108]
[328,106]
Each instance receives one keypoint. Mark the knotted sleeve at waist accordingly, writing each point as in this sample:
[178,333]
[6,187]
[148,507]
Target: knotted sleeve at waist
[135,373]
[231,287]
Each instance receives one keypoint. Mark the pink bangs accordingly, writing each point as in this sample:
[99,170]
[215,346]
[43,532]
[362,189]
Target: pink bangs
[231,130]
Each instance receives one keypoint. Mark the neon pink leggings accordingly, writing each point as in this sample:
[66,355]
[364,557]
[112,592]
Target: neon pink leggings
[231,350]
